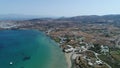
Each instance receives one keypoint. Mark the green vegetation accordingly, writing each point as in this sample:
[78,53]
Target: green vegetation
[113,59]
[107,35]
[67,38]
[116,55]
[96,48]
[57,40]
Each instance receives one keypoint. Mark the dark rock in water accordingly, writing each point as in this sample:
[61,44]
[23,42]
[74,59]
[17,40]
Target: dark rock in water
[26,58]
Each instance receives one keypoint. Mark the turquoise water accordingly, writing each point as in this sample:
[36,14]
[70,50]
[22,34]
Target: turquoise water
[29,49]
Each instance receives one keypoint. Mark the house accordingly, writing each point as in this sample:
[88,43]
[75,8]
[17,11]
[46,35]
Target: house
[90,63]
[62,40]
[81,39]
[104,49]
[83,48]
[99,62]
[77,50]
[68,49]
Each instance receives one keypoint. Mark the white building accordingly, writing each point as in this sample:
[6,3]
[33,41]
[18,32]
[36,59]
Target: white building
[68,49]
[104,49]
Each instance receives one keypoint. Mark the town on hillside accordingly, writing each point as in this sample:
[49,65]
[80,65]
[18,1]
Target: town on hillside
[86,42]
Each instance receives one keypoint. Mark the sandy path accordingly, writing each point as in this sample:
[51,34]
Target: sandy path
[68,59]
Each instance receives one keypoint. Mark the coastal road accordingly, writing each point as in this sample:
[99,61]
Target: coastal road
[99,58]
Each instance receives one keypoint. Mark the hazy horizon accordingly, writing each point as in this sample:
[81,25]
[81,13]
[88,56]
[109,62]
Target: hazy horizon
[58,8]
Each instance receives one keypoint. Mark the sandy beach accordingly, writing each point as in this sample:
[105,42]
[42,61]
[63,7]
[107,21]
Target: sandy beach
[68,59]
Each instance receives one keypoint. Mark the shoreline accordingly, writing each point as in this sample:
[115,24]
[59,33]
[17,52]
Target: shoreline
[56,53]
[66,55]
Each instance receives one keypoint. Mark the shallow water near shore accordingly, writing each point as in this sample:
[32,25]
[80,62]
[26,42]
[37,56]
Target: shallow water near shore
[29,49]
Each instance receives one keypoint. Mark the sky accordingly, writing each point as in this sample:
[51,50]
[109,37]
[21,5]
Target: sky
[60,7]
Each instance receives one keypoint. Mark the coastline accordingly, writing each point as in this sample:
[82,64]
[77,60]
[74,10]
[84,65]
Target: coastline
[67,55]
[57,54]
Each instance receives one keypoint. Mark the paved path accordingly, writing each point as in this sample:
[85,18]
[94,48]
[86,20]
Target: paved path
[99,58]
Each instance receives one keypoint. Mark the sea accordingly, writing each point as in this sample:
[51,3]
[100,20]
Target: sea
[29,49]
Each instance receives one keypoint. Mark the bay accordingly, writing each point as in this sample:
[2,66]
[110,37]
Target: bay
[29,49]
